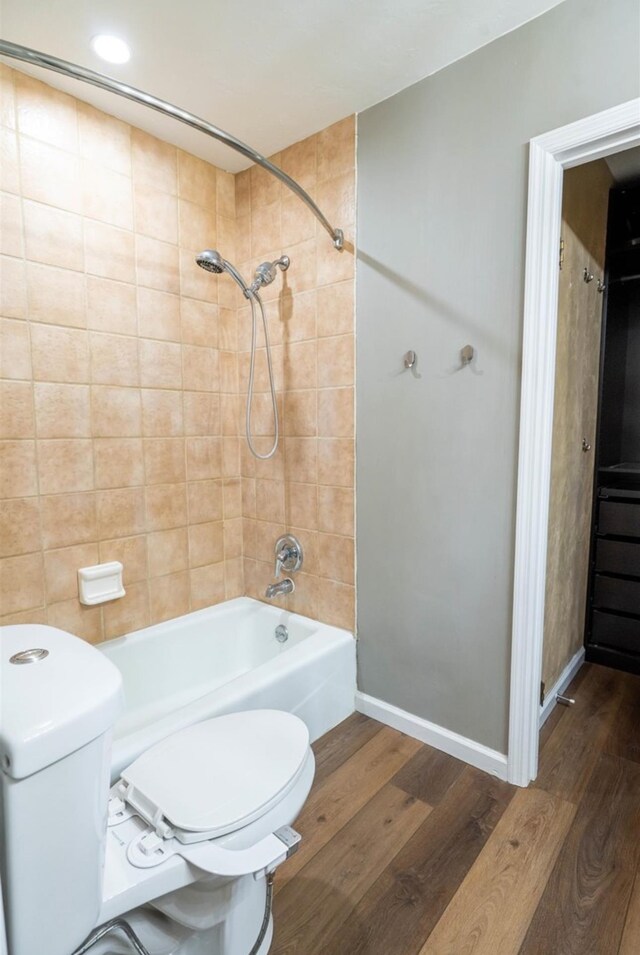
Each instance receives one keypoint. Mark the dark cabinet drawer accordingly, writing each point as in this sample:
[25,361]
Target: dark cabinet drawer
[618,518]
[614,594]
[621,633]
[618,557]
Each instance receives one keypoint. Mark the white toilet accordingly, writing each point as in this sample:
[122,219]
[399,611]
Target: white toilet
[182,848]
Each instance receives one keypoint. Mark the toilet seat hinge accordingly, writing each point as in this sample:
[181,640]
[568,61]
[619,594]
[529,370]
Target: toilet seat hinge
[118,811]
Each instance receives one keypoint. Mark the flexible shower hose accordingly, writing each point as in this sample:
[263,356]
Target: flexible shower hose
[253,298]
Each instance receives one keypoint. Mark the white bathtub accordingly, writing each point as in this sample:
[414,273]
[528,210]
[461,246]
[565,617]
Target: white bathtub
[226,658]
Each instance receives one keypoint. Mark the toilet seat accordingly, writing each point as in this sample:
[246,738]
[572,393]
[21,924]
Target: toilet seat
[215,777]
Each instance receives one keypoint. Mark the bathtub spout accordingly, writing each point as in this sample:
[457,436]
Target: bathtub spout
[280,589]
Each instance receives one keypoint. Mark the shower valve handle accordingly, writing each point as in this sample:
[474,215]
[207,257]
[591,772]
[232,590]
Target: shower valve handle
[289,554]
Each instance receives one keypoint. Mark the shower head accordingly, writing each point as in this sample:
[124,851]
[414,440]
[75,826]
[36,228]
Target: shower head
[211,261]
[266,273]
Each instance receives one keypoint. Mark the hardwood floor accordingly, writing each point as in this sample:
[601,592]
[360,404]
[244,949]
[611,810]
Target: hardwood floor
[407,851]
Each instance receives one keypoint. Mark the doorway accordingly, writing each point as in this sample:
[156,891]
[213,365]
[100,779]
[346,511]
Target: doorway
[593,138]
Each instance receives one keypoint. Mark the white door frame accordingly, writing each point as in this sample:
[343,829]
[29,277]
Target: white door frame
[592,138]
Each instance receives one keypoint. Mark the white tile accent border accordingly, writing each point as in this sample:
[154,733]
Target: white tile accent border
[560,685]
[489,760]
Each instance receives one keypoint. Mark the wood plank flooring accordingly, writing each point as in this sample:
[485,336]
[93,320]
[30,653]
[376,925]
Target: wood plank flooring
[407,851]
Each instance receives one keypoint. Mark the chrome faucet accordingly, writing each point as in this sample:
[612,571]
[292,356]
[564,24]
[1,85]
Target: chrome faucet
[281,589]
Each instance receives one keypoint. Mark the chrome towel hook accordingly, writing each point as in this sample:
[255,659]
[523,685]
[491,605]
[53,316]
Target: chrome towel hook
[410,362]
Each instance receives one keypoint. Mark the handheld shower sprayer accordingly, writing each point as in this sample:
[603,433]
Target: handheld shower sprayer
[211,261]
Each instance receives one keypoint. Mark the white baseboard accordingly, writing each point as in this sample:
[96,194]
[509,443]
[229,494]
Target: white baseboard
[560,685]
[489,760]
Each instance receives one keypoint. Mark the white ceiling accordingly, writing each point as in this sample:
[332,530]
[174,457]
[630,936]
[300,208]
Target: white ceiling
[269,71]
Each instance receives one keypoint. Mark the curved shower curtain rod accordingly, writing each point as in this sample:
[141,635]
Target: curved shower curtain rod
[18,52]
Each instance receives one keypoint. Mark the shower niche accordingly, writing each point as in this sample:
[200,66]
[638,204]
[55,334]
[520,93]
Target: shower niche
[613,606]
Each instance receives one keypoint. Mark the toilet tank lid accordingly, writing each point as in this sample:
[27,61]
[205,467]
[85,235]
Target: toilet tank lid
[57,693]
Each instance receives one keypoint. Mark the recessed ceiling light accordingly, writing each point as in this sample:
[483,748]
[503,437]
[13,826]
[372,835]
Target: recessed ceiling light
[111,48]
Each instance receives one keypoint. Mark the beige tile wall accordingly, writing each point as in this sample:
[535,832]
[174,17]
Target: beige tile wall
[114,361]
[123,370]
[308,487]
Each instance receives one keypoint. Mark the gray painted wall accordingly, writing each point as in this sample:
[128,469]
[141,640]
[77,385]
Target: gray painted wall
[442,178]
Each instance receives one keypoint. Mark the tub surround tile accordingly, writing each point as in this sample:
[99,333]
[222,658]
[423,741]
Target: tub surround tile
[336,461]
[68,519]
[336,149]
[109,251]
[156,213]
[336,310]
[122,398]
[158,315]
[15,350]
[21,583]
[207,585]
[129,613]
[61,570]
[56,296]
[74,617]
[232,531]
[168,551]
[302,505]
[232,497]
[115,412]
[16,410]
[132,554]
[204,458]
[157,264]
[336,558]
[154,162]
[53,236]
[233,578]
[9,167]
[205,501]
[164,461]
[111,306]
[114,359]
[225,194]
[118,462]
[120,512]
[39,615]
[112,203]
[11,229]
[201,413]
[50,175]
[45,113]
[166,506]
[65,464]
[197,180]
[13,288]
[104,139]
[19,526]
[199,323]
[335,510]
[206,544]
[18,475]
[60,354]
[169,596]
[62,411]
[160,364]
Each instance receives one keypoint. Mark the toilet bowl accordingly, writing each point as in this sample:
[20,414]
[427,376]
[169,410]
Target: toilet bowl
[182,847]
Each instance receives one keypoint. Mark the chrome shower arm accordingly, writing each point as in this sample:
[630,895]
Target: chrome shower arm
[46,61]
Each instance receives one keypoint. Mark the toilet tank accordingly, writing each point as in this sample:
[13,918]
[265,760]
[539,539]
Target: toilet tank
[59,698]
